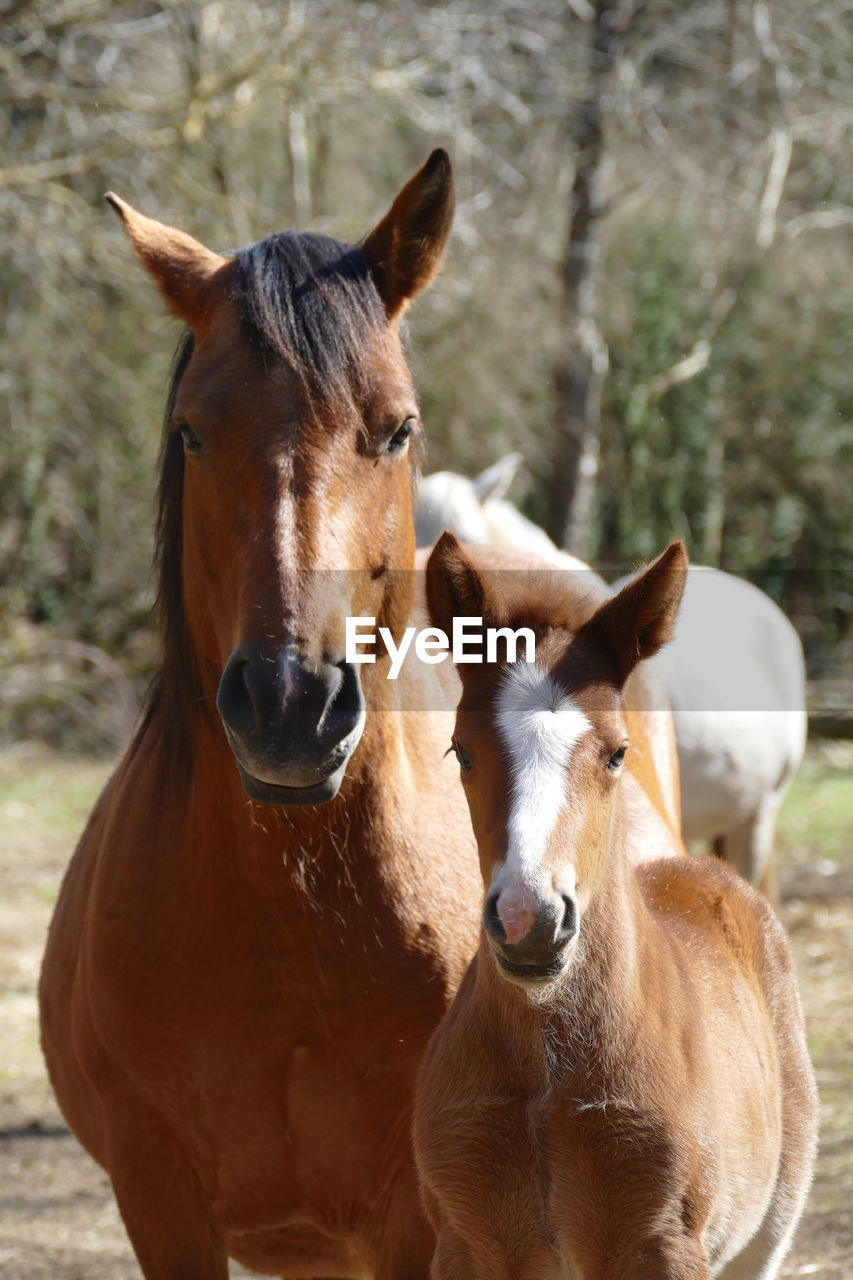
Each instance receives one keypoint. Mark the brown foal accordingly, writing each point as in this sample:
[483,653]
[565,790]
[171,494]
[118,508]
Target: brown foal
[621,1088]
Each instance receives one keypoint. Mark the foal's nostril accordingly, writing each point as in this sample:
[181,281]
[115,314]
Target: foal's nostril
[569,923]
[553,925]
[492,921]
[348,699]
[328,692]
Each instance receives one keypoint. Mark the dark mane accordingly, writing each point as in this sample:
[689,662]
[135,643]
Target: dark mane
[176,682]
[305,299]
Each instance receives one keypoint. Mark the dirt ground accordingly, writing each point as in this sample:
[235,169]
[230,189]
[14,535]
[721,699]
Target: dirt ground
[57,1215]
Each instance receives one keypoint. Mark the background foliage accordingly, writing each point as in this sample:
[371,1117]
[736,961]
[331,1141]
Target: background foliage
[725,299]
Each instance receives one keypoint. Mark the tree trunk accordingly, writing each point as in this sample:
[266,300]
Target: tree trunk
[581,364]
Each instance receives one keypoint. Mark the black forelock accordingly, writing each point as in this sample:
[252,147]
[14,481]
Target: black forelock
[310,300]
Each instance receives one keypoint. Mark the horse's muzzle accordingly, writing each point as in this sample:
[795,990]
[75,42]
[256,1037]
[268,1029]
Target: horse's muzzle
[292,726]
[543,952]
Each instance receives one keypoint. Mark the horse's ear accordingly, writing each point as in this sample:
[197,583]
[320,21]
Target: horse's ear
[406,248]
[454,588]
[494,482]
[641,618]
[181,267]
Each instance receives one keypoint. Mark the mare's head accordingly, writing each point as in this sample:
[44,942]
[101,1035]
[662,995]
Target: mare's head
[540,745]
[290,456]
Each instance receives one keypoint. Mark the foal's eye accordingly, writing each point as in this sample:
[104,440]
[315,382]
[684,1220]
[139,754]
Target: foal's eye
[192,440]
[400,436]
[616,759]
[462,756]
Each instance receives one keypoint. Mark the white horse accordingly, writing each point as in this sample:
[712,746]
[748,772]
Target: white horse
[735,675]
[476,511]
[736,680]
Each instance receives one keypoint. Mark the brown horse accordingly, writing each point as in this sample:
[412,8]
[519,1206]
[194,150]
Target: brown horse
[621,1088]
[275,897]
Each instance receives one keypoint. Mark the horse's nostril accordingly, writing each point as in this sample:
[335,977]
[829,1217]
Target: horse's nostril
[280,706]
[235,699]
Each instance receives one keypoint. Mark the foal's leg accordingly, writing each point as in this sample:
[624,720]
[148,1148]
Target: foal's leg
[606,1238]
[455,1259]
[680,1258]
[162,1201]
[495,1241]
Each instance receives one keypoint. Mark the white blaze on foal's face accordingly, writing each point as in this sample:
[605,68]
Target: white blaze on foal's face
[539,728]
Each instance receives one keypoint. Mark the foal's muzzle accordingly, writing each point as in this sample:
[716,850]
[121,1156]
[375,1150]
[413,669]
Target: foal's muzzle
[292,726]
[543,953]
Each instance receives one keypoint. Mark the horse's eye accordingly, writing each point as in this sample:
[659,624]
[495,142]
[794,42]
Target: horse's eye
[192,440]
[616,759]
[465,761]
[400,436]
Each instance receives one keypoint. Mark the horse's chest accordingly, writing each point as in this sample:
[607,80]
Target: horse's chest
[308,1135]
[290,1074]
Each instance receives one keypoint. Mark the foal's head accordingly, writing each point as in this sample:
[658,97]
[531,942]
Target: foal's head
[289,467]
[540,745]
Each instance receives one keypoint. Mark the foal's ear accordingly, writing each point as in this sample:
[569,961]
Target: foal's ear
[454,588]
[181,267]
[406,248]
[641,618]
